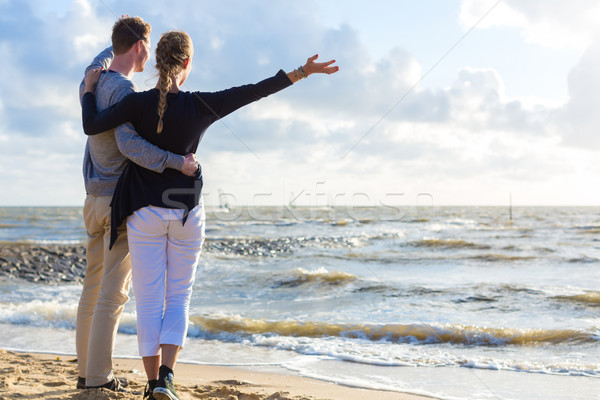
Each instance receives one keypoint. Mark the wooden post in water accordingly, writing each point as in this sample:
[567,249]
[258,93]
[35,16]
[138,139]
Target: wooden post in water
[510,206]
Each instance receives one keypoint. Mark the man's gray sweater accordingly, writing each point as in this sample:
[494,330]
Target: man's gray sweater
[106,154]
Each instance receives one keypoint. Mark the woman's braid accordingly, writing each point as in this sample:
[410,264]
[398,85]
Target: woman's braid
[173,48]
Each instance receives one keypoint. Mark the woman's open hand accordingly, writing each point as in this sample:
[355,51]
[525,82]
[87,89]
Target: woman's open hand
[312,67]
[91,79]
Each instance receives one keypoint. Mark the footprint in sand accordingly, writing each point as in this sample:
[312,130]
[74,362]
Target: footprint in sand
[55,384]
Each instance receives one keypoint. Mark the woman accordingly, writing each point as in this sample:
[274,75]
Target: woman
[164,212]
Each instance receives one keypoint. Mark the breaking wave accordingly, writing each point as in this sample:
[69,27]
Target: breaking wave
[589,298]
[396,333]
[319,276]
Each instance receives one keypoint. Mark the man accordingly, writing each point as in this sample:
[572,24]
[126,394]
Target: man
[108,274]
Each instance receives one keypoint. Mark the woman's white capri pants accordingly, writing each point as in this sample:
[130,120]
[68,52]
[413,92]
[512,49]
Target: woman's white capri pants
[164,256]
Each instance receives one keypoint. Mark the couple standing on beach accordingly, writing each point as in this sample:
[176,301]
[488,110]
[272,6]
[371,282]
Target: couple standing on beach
[143,211]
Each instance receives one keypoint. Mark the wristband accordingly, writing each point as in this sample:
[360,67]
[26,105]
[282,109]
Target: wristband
[302,73]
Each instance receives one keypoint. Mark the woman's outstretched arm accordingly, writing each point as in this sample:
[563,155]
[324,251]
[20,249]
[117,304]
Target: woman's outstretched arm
[224,102]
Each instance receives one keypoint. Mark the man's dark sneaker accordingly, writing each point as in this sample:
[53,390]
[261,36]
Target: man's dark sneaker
[115,385]
[149,389]
[165,389]
[123,381]
[80,383]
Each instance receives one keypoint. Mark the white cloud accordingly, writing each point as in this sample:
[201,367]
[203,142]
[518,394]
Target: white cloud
[551,23]
[86,44]
[41,172]
[579,120]
[558,24]
[496,14]
[478,101]
[216,42]
[3,136]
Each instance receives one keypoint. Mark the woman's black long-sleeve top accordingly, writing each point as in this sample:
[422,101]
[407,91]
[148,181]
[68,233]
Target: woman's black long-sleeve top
[186,118]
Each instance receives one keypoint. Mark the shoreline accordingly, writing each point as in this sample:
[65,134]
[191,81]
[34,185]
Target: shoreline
[55,264]
[54,376]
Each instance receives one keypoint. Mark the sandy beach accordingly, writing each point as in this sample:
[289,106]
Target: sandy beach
[51,376]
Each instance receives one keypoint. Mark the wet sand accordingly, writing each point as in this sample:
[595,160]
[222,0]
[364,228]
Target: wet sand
[53,377]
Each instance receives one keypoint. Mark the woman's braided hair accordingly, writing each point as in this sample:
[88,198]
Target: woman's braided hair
[173,48]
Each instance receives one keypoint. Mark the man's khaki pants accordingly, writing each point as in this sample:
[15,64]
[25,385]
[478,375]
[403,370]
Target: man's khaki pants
[105,292]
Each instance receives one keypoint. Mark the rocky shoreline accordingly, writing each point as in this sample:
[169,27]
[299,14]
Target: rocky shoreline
[43,263]
[55,264]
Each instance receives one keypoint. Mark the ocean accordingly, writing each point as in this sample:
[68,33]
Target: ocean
[452,302]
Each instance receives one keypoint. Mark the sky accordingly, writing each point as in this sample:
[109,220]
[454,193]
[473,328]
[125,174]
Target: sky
[450,102]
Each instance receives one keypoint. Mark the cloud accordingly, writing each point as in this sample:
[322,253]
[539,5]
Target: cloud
[550,23]
[557,24]
[46,52]
[578,121]
[478,101]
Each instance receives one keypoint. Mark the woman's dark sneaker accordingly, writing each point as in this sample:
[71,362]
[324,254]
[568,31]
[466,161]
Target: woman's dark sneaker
[165,388]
